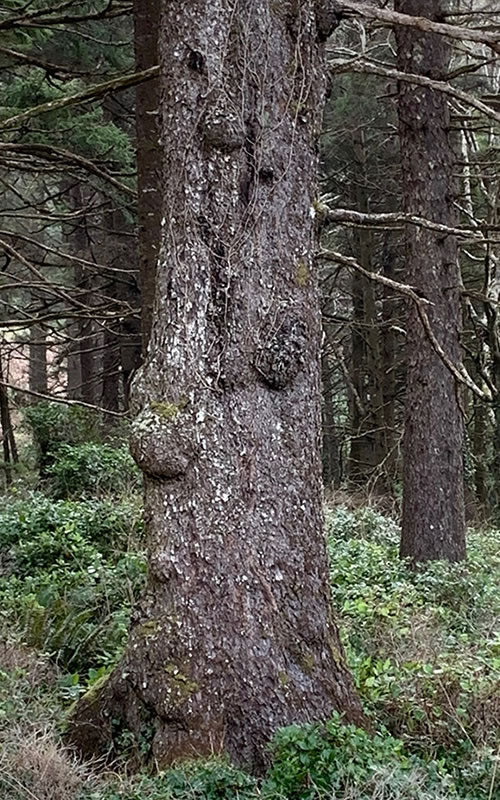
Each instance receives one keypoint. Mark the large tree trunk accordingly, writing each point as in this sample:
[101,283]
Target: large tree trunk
[149,156]
[433,499]
[234,637]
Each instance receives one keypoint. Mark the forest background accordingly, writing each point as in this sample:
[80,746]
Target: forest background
[80,167]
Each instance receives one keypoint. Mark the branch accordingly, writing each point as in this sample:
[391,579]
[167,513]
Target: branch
[489,38]
[48,66]
[63,400]
[459,372]
[419,80]
[360,218]
[93,92]
[36,18]
[50,152]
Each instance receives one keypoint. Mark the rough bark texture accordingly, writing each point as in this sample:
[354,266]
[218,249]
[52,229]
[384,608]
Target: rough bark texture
[433,500]
[234,637]
[149,156]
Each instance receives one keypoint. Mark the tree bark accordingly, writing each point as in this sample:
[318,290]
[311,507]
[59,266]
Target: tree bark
[38,360]
[433,499]
[331,449]
[367,452]
[9,448]
[480,440]
[149,156]
[110,393]
[234,637]
[74,367]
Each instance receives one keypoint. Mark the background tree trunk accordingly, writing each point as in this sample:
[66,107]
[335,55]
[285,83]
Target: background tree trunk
[331,449]
[234,637]
[433,499]
[38,359]
[9,448]
[149,156]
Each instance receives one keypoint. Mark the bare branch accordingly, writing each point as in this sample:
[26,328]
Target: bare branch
[458,371]
[62,400]
[390,218]
[89,94]
[364,66]
[48,66]
[58,153]
[459,32]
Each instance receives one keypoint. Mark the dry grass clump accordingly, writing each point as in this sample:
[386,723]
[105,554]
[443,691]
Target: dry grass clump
[15,656]
[37,767]
[391,784]
[362,498]
[33,763]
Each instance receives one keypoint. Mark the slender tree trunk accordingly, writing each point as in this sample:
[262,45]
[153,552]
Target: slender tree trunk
[149,156]
[367,446]
[110,396]
[74,367]
[495,466]
[38,359]
[480,438]
[390,369]
[331,450]
[234,637]
[359,455]
[84,332]
[433,499]
[6,431]
[87,351]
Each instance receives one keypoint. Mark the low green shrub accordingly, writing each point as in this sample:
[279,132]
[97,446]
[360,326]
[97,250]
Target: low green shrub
[37,528]
[197,780]
[92,469]
[333,760]
[52,424]
[69,580]
[423,646]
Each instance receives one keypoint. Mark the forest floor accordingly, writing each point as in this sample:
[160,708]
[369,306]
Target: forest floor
[424,648]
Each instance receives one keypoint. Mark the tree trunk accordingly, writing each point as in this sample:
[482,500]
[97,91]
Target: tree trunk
[110,396]
[391,368]
[88,341]
[331,449]
[481,436]
[149,156]
[85,343]
[367,451]
[74,367]
[6,431]
[433,499]
[38,359]
[234,637]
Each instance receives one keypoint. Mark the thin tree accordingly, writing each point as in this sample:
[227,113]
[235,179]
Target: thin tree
[433,498]
[234,637]
[149,156]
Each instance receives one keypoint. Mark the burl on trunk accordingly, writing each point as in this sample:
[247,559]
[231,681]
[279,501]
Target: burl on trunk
[234,637]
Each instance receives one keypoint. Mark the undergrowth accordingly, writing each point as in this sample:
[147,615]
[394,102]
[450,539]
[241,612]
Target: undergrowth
[424,648]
